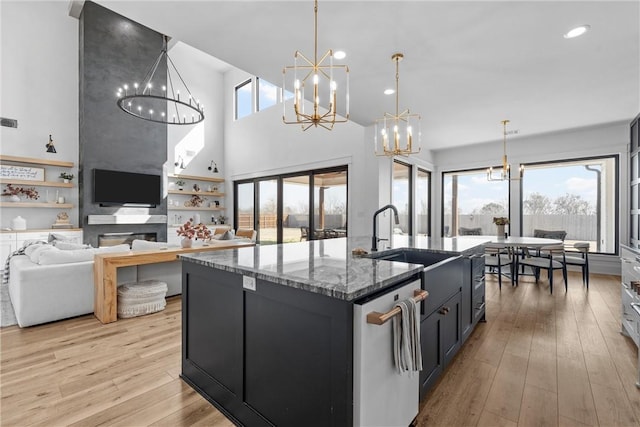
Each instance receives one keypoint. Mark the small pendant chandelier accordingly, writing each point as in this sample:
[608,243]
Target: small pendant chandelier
[318,80]
[505,174]
[396,131]
[162,105]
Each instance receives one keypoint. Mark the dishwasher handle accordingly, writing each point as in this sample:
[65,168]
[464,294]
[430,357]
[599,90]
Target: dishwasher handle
[376,318]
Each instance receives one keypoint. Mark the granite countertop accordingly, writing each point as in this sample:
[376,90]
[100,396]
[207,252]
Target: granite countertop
[328,266]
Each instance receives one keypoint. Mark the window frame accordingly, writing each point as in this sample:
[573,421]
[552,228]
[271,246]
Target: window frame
[410,194]
[429,194]
[616,159]
[458,171]
[236,88]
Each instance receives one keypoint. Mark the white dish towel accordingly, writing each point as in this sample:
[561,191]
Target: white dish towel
[407,354]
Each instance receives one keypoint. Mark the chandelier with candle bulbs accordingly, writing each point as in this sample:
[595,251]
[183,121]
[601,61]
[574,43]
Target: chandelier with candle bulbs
[318,81]
[398,134]
[505,174]
[162,103]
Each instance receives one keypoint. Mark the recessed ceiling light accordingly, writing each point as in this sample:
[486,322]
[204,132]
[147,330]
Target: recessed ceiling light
[339,54]
[577,31]
[389,91]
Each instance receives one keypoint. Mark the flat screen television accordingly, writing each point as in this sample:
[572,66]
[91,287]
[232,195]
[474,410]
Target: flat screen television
[117,188]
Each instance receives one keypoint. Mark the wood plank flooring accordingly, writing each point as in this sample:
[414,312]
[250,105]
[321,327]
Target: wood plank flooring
[540,360]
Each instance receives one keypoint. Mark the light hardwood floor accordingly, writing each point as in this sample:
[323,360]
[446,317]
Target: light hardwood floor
[539,360]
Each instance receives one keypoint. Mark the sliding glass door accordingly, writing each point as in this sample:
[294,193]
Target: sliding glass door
[279,207]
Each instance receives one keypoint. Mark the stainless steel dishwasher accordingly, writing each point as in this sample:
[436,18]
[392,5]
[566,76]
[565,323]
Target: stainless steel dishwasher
[382,396]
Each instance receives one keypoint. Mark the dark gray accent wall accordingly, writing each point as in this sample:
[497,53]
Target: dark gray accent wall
[115,50]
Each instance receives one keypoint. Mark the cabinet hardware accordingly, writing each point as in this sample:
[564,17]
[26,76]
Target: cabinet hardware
[376,318]
[444,310]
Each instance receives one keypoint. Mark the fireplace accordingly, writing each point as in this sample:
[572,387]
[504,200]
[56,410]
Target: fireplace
[112,239]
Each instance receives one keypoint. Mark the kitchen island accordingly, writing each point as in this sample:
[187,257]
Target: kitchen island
[270,336]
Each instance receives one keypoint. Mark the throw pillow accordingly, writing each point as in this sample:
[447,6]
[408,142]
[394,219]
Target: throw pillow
[66,246]
[55,237]
[144,245]
[58,256]
[37,252]
[116,248]
[228,235]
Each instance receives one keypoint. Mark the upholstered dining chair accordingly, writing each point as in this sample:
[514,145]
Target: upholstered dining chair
[497,257]
[550,234]
[463,231]
[578,254]
[247,233]
[550,258]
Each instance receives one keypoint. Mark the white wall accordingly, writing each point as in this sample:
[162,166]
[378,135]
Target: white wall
[198,144]
[607,139]
[39,88]
[262,145]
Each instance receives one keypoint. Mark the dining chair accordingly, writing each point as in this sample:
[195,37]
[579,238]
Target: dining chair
[550,234]
[578,254]
[247,233]
[304,233]
[219,230]
[463,231]
[550,258]
[496,257]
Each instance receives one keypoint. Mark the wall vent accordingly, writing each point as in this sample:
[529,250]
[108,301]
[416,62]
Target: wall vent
[10,123]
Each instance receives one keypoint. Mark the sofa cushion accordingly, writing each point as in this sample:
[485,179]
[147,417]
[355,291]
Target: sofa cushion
[228,235]
[35,253]
[66,246]
[58,256]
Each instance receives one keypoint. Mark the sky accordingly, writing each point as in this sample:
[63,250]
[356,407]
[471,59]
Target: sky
[475,191]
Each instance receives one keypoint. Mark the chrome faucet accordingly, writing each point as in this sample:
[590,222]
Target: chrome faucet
[375,239]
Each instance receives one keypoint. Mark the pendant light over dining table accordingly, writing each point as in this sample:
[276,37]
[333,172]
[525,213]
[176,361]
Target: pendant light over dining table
[319,81]
[505,174]
[399,133]
[161,103]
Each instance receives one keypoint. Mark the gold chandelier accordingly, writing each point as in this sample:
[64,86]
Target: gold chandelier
[400,126]
[323,83]
[505,174]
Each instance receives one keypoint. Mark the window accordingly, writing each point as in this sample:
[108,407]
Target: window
[243,99]
[267,94]
[401,196]
[422,205]
[470,201]
[281,205]
[578,196]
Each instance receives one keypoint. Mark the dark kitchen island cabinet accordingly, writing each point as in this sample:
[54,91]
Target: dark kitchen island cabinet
[270,336]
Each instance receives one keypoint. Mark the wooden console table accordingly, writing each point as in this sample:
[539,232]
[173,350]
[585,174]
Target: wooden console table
[105,272]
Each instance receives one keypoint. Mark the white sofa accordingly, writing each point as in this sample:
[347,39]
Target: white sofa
[56,284]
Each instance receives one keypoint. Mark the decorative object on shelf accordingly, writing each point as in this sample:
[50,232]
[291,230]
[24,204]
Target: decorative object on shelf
[66,177]
[60,200]
[15,192]
[18,223]
[62,221]
[195,201]
[157,106]
[400,126]
[506,167]
[217,202]
[23,173]
[213,166]
[50,147]
[196,187]
[180,184]
[222,219]
[500,222]
[196,218]
[323,84]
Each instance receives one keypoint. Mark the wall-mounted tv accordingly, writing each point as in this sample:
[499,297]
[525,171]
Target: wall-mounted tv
[117,188]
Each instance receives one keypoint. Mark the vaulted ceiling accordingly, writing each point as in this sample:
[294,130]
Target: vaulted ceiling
[468,64]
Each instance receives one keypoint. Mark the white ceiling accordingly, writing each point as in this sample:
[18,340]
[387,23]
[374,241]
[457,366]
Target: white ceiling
[467,65]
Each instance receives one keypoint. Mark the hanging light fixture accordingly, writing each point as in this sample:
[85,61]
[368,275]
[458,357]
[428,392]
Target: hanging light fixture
[161,105]
[396,131]
[318,78]
[505,174]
